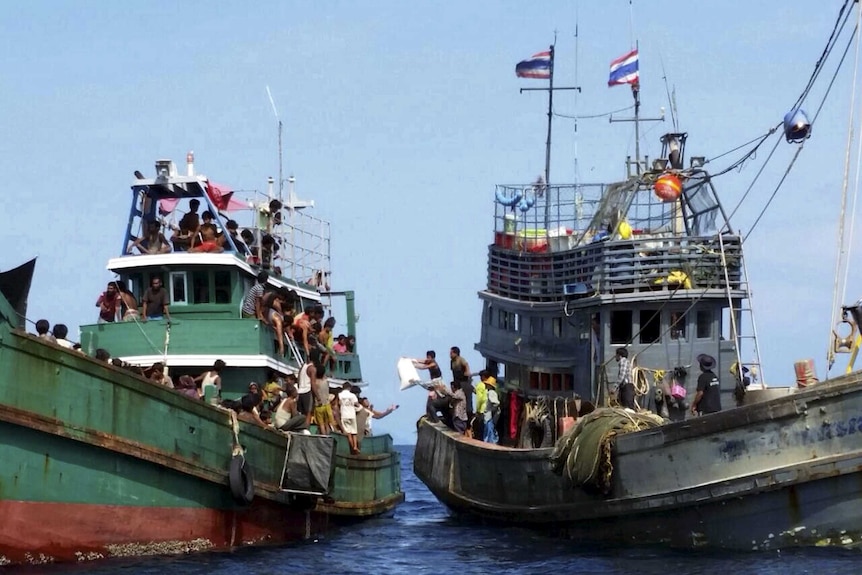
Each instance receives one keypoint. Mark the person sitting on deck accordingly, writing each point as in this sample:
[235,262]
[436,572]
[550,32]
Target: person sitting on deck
[348,404]
[340,345]
[157,375]
[153,241]
[249,406]
[43,331]
[286,416]
[188,227]
[459,408]
[60,332]
[232,230]
[103,354]
[208,236]
[186,386]
[272,390]
[109,304]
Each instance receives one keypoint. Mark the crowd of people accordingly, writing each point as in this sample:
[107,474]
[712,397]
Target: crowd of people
[298,402]
[286,402]
[453,404]
[201,233]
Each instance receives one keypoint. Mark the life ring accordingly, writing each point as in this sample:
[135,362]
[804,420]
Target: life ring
[241,480]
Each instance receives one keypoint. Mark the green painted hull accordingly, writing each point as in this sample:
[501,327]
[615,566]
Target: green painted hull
[130,467]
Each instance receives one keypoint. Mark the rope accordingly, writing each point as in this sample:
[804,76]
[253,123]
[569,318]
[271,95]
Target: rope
[234,424]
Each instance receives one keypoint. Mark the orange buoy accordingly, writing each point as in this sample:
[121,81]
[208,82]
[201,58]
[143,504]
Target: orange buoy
[668,187]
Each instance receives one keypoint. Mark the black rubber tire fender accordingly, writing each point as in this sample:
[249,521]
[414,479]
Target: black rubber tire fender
[241,480]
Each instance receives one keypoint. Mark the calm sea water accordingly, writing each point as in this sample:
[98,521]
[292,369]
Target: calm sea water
[421,537]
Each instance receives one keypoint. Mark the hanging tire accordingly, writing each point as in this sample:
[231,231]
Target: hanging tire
[241,480]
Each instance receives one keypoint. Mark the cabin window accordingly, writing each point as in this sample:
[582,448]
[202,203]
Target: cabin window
[677,325]
[178,288]
[621,327]
[135,284]
[568,382]
[516,322]
[557,326]
[490,314]
[200,287]
[503,317]
[222,287]
[537,325]
[556,382]
[650,320]
[512,374]
[704,324]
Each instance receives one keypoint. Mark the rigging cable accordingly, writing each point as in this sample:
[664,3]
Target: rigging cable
[840,266]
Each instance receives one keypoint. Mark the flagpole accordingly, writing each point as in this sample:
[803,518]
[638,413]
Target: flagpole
[548,142]
[636,91]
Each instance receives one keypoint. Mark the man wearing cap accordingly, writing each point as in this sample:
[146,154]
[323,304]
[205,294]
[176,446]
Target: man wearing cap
[708,397]
[491,410]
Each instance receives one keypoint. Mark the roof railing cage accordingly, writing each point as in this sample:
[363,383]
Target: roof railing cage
[301,242]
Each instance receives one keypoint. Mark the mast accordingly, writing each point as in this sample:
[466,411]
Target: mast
[636,94]
[550,123]
[550,89]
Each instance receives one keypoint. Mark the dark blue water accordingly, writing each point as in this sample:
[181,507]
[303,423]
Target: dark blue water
[421,537]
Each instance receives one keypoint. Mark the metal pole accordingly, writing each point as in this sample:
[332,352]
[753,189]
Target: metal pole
[548,144]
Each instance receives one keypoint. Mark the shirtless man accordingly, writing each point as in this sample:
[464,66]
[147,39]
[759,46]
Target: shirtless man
[208,235]
[322,409]
[129,302]
[153,241]
[273,315]
[301,328]
[185,236]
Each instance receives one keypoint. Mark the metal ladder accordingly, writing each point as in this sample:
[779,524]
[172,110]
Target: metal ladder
[736,317]
[294,351]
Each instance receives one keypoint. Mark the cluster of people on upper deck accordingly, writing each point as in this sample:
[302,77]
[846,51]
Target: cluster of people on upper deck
[302,328]
[118,303]
[201,233]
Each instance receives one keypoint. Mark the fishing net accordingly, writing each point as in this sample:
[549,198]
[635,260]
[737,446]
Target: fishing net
[583,454]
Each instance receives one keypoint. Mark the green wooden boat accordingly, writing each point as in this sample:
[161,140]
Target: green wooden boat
[98,461]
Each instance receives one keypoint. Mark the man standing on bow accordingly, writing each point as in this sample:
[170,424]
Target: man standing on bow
[708,398]
[461,375]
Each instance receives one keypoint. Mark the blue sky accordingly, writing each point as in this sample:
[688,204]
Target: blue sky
[399,118]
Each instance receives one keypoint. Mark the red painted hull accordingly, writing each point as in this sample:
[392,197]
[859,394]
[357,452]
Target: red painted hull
[57,532]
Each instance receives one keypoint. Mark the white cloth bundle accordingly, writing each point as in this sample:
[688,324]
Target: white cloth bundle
[407,373]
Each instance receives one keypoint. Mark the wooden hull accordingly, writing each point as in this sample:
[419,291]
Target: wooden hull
[37,532]
[779,473]
[96,462]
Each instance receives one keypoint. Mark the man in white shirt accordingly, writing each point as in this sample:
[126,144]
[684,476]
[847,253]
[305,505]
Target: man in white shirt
[348,406]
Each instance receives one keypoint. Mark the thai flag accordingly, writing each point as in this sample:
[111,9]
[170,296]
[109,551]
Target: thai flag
[537,66]
[624,70]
